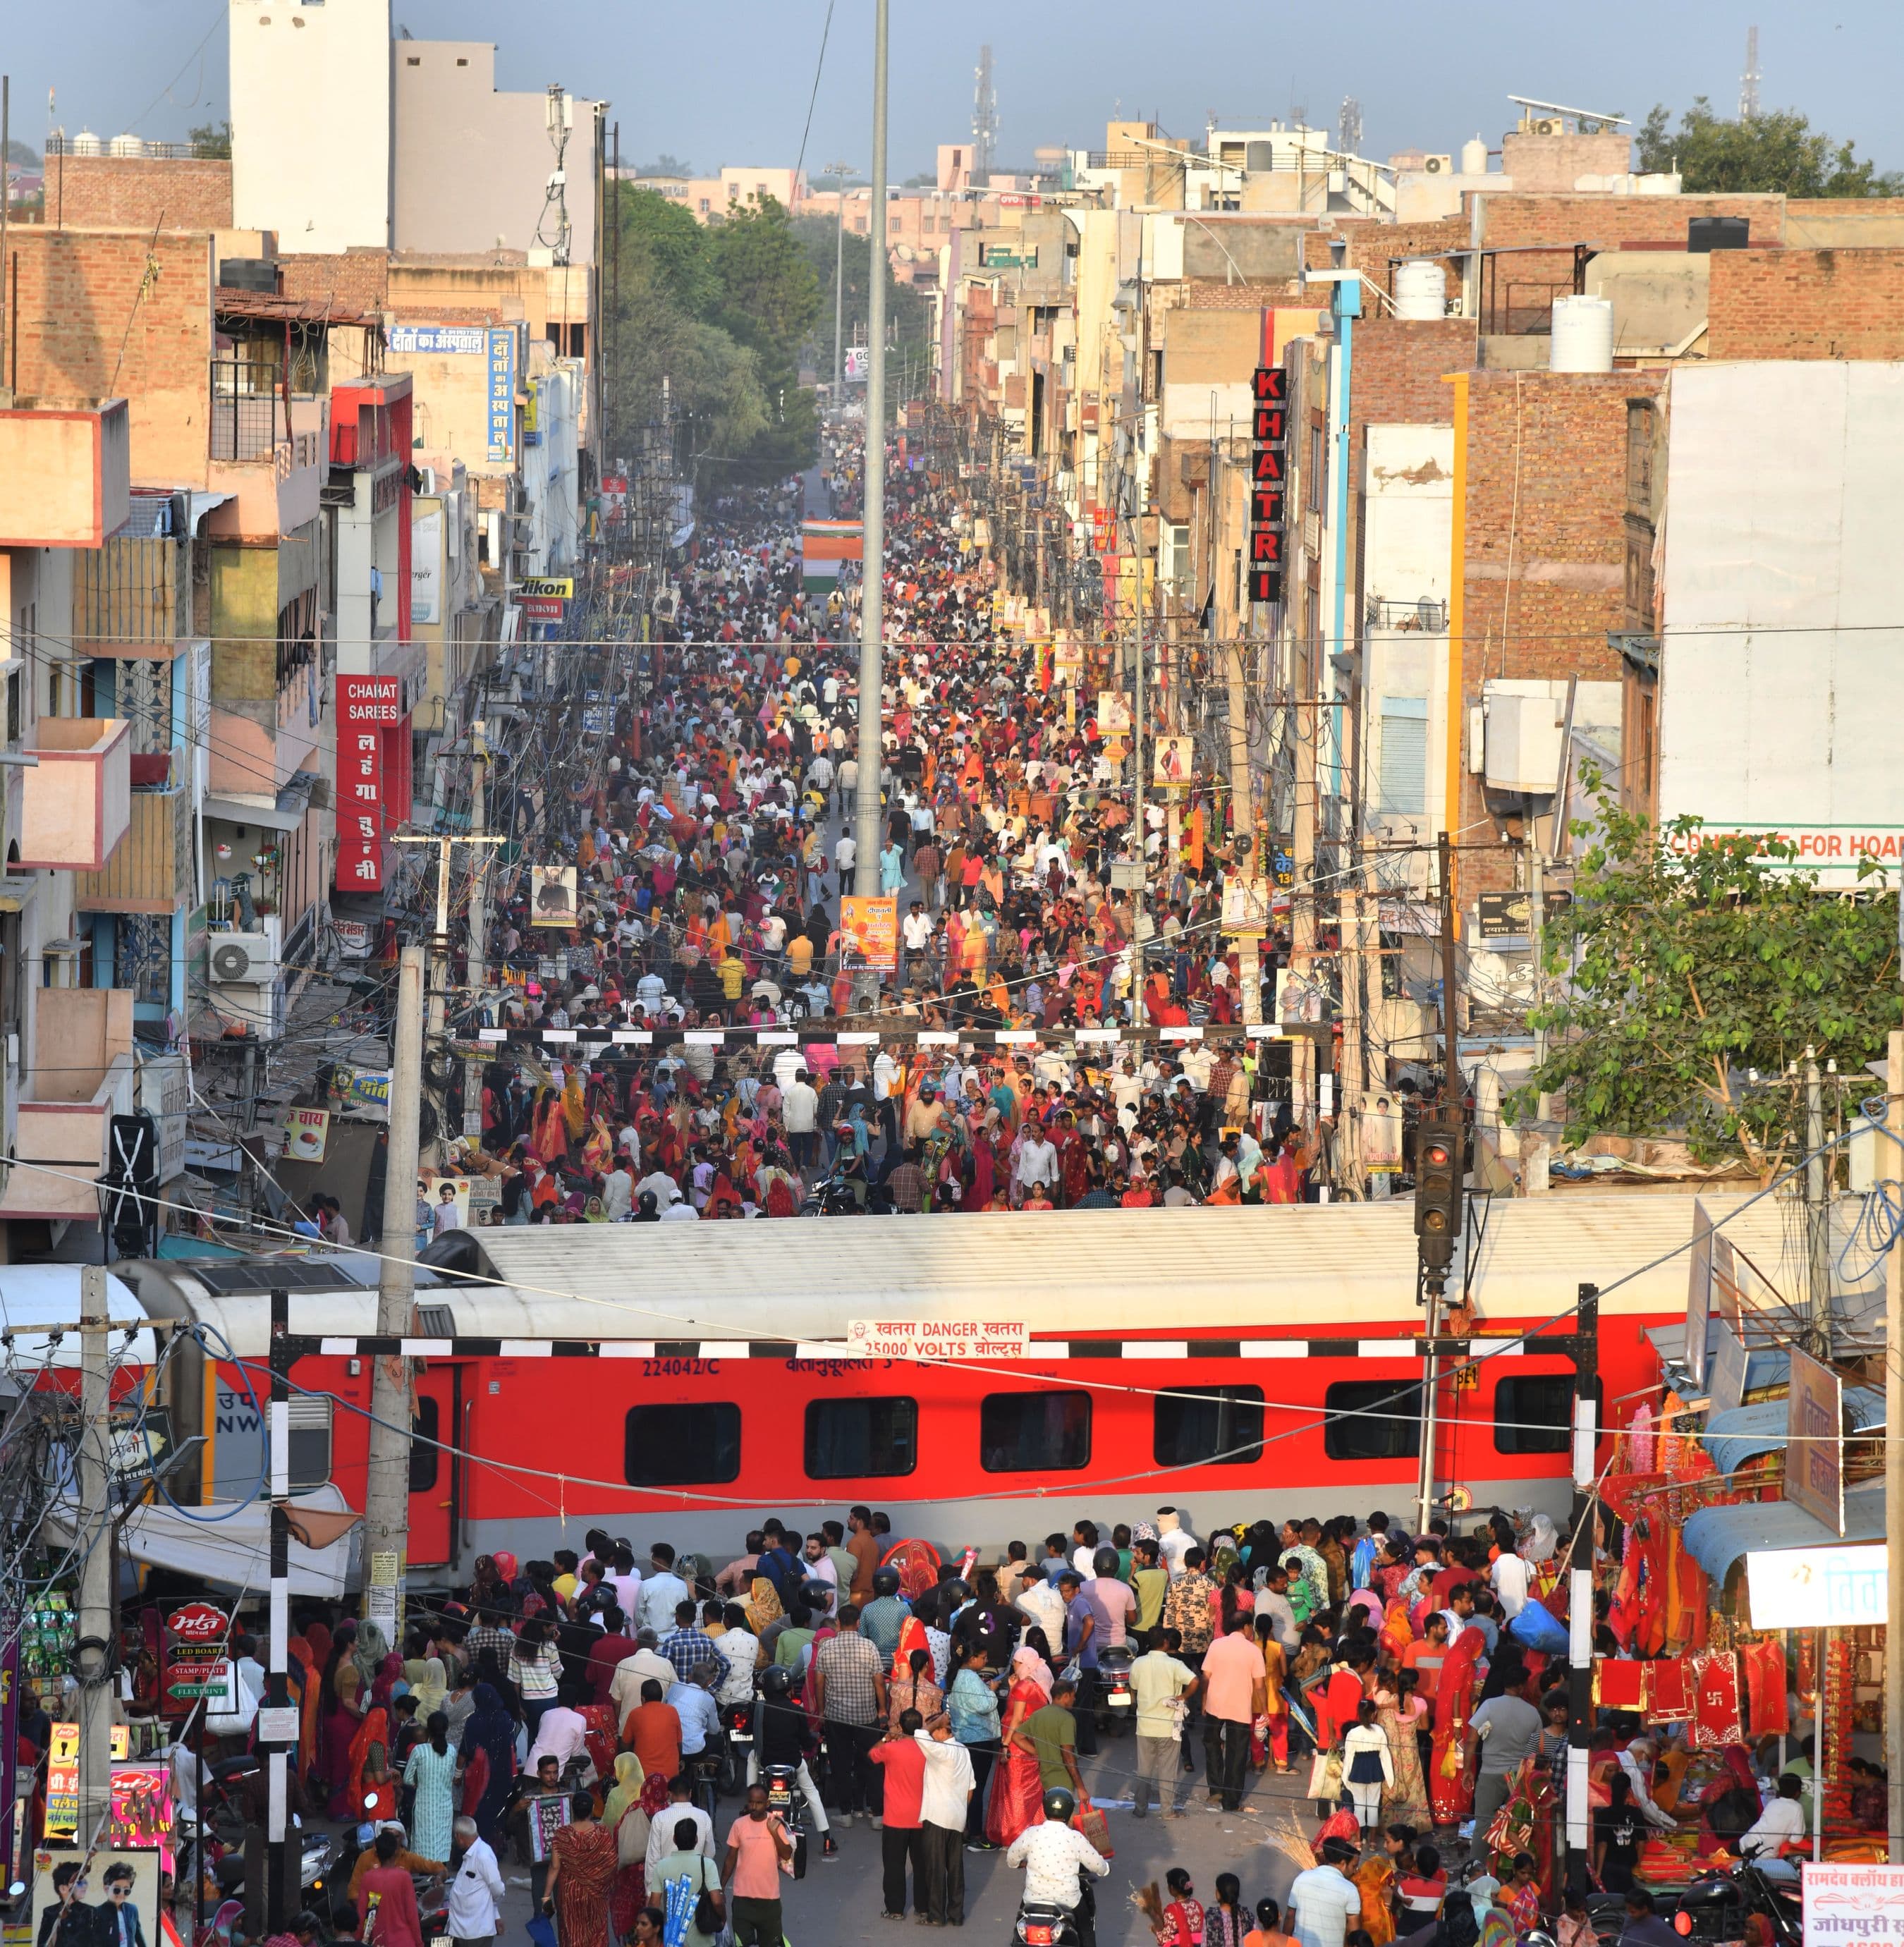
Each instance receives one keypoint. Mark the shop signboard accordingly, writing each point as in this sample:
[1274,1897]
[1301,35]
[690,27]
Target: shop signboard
[871,923]
[1815,1441]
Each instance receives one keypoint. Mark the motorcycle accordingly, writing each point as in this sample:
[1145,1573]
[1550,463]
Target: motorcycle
[737,1738]
[1045,1923]
[1715,1906]
[1114,1684]
[782,1782]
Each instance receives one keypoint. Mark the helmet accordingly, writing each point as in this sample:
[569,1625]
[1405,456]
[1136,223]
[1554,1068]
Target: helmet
[776,1679]
[955,1591]
[816,1594]
[1060,1806]
[885,1581]
[1105,1563]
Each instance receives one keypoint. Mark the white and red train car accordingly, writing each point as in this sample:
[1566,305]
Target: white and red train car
[671,1384]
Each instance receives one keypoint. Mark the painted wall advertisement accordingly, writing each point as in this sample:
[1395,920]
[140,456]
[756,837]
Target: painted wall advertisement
[501,409]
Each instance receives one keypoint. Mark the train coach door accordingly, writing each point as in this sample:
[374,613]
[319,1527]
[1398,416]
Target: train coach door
[436,1476]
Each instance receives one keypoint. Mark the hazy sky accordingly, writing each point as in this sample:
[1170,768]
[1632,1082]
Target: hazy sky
[714,81]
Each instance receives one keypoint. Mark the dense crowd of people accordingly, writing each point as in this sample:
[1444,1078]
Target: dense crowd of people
[1417,1682]
[713,837]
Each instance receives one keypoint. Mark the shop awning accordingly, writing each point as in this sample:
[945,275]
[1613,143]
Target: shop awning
[233,1550]
[286,815]
[1718,1536]
[1732,1438]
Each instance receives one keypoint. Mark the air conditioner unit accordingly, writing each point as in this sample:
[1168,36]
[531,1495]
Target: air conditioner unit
[240,959]
[257,1006]
[1549,124]
[1438,165]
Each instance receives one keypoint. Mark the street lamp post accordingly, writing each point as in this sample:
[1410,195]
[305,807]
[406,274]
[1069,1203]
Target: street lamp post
[839,171]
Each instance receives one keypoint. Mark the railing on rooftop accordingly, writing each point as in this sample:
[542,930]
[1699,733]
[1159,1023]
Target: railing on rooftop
[248,413]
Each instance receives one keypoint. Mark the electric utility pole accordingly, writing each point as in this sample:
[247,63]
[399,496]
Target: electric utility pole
[94,1650]
[386,1499]
[1894,1460]
[872,618]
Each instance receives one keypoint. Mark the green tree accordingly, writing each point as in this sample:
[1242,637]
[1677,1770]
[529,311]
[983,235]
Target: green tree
[211,139]
[1776,152]
[661,236]
[767,296]
[1688,960]
[665,165]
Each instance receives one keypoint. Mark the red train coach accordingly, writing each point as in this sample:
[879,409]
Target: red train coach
[678,1384]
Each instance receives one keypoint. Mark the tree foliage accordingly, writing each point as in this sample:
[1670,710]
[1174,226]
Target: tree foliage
[1778,152]
[1687,961]
[720,312]
[210,140]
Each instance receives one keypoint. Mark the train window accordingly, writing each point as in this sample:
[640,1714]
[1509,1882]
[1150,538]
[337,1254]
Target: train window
[1372,1419]
[847,1438]
[1034,1433]
[673,1446]
[1198,1426]
[1534,1413]
[424,1461]
[310,1443]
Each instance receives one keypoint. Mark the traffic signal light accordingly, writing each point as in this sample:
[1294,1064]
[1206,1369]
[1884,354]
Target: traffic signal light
[1437,1190]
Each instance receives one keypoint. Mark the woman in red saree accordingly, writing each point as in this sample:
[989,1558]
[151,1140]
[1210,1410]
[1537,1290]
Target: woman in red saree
[1017,1801]
[373,1792]
[581,1871]
[1450,1795]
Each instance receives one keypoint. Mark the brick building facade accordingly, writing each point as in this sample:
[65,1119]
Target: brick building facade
[138,193]
[1806,304]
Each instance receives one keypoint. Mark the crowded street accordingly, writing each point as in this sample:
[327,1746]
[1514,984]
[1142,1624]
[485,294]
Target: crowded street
[650,658]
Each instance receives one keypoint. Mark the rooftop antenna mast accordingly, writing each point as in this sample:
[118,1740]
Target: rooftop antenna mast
[1748,83]
[1348,126]
[985,120]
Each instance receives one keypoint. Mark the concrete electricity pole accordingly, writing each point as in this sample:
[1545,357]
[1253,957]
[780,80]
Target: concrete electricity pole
[386,1499]
[94,1650]
[1894,1462]
[872,604]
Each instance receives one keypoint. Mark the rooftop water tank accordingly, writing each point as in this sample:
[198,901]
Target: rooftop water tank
[1421,288]
[1582,335]
[87,143]
[1474,158]
[125,146]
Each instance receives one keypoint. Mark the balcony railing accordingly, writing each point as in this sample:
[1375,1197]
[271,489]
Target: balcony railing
[249,415]
[1428,617]
[76,803]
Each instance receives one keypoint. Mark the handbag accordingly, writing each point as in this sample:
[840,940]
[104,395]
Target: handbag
[1326,1777]
[1096,1828]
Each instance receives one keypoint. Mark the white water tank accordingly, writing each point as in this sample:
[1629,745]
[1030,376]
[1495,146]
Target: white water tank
[87,143]
[125,146]
[1582,335]
[1421,288]
[1474,158]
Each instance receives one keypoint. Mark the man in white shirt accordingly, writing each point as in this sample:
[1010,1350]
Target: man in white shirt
[1174,1539]
[740,1651]
[666,1192]
[1780,1829]
[476,1892]
[662,1591]
[1322,1902]
[944,1795]
[1056,1855]
[1041,1599]
[618,1192]
[647,1663]
[845,853]
[1037,1163]
[799,1104]
[667,1821]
